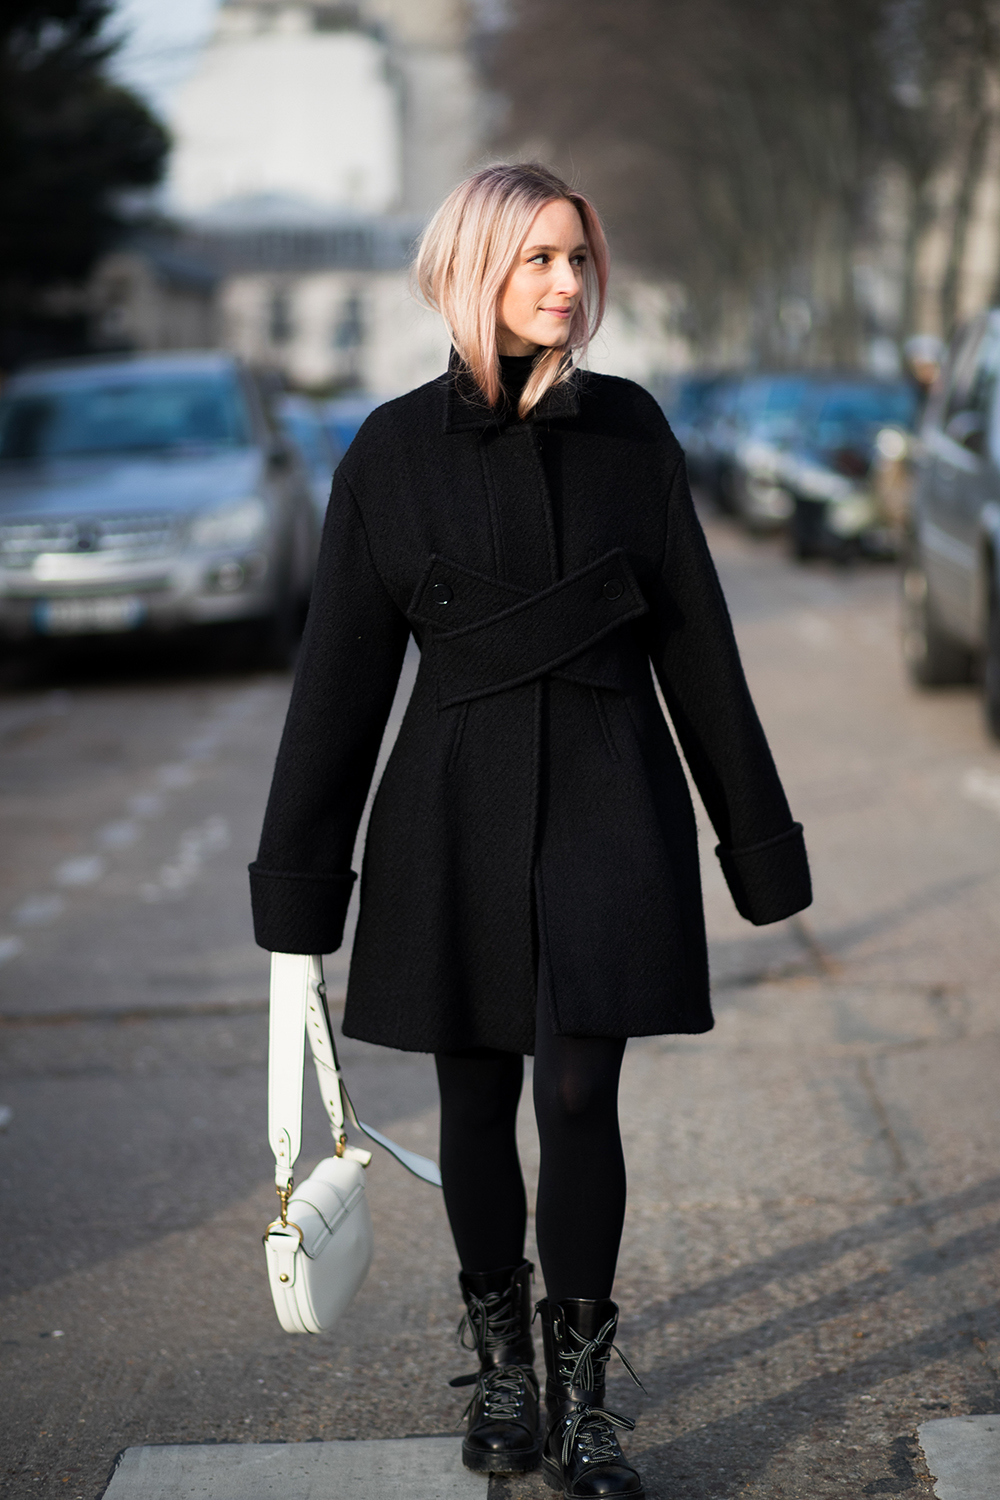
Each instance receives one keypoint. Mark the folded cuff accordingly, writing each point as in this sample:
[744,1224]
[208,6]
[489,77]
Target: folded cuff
[769,881]
[297,912]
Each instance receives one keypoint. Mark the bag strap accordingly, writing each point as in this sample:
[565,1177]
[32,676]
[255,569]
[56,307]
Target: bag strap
[298,1001]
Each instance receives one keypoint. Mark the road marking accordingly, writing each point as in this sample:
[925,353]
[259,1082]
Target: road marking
[82,869]
[145,805]
[982,787]
[176,776]
[10,947]
[120,835]
[195,845]
[36,911]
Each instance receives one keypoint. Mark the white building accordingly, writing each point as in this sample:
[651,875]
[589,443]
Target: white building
[312,142]
[367,108]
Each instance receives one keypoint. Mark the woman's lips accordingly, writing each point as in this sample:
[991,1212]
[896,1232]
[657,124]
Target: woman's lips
[558,312]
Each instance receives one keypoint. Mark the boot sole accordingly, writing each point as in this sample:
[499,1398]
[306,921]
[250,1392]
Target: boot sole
[553,1478]
[489,1463]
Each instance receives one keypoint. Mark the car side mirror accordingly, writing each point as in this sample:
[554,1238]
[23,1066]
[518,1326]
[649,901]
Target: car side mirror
[968,429]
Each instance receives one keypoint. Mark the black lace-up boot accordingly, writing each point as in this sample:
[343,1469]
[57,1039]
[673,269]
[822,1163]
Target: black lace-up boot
[502,1436]
[581,1456]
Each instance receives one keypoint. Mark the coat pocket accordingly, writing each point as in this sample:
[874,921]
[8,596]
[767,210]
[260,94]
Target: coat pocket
[459,714]
[605,723]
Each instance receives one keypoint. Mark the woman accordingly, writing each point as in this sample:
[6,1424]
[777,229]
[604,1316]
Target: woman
[530,880]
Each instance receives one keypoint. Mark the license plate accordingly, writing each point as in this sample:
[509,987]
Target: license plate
[88,616]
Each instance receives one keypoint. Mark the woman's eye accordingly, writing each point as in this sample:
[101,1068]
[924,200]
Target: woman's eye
[579,260]
[538,260]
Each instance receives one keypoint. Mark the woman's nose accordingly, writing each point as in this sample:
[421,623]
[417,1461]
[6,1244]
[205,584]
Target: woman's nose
[566,280]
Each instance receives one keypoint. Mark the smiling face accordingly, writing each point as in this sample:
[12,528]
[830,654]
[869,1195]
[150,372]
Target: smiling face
[544,289]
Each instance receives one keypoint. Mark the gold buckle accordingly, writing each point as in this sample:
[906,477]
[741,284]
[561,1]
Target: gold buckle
[283,1224]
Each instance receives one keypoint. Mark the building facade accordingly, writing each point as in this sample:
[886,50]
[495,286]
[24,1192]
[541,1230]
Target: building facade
[312,142]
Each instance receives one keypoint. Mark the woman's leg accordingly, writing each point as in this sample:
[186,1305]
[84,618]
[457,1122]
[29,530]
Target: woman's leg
[581,1184]
[480,1168]
[581,1208]
[484,1196]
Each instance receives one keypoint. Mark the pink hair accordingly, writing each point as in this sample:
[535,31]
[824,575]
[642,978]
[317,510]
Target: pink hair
[469,250]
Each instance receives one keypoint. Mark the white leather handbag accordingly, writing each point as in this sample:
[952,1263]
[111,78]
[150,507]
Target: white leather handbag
[318,1251]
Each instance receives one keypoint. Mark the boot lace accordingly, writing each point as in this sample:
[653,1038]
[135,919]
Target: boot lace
[586,1365]
[591,1429]
[502,1389]
[492,1323]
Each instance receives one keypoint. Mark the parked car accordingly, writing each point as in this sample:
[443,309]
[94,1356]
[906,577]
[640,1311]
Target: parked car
[755,420]
[846,433]
[317,441]
[689,404]
[951,573]
[149,494]
[344,415]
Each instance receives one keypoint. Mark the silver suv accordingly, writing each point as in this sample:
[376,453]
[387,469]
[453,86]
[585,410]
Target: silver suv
[951,586]
[149,493]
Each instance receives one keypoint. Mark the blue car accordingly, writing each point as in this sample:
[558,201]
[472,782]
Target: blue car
[149,494]
[829,466]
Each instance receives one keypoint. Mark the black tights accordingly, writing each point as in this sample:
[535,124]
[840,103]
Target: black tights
[581,1184]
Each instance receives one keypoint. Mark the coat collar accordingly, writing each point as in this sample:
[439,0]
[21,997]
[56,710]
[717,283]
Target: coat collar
[466,410]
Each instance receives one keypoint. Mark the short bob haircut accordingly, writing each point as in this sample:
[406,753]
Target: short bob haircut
[469,250]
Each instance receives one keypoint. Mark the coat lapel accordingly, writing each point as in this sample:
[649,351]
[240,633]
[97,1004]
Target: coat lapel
[467,410]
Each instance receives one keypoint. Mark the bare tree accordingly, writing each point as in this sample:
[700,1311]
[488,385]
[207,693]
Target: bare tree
[737,144]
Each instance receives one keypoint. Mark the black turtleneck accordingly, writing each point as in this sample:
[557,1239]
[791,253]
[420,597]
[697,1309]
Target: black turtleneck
[515,371]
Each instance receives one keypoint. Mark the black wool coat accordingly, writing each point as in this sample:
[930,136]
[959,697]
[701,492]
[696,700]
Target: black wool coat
[534,809]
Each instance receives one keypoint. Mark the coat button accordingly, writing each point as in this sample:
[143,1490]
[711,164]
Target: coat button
[441,593]
[614,588]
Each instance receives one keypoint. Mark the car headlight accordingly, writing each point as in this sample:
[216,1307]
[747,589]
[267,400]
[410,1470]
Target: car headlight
[814,483]
[852,515]
[237,524]
[761,460]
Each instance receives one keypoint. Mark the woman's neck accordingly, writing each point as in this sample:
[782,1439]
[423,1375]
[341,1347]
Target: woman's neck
[515,372]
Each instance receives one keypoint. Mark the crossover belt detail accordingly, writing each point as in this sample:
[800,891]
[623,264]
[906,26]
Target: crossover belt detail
[513,637]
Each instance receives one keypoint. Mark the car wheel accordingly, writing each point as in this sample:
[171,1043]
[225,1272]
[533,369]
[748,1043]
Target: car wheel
[933,658]
[991,662]
[807,529]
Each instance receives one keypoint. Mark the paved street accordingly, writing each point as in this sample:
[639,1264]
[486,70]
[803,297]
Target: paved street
[810,1267]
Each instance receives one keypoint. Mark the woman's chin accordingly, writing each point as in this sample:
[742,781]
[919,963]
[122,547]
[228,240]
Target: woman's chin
[554,340]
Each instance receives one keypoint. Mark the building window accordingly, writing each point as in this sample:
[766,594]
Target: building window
[279,325]
[348,327]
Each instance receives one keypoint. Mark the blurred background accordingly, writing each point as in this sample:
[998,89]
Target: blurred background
[208,209]
[806,186]
[787,188]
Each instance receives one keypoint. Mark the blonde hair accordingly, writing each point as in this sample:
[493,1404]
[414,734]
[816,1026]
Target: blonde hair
[469,250]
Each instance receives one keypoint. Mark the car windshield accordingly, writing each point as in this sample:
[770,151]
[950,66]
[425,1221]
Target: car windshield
[124,415]
[771,400]
[854,412]
[689,398]
[311,439]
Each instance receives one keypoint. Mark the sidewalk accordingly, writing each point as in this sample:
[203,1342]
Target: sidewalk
[809,1272]
[811,1264]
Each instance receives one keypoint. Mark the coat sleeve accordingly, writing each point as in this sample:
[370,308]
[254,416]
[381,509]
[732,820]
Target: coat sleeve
[694,653]
[349,665]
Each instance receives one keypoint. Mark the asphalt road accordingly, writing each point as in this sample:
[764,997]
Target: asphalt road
[810,1267]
